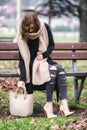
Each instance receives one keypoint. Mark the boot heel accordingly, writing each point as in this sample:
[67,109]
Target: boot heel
[45,114]
[49,110]
[61,111]
[65,112]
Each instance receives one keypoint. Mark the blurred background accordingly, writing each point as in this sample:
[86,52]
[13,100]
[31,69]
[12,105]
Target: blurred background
[67,18]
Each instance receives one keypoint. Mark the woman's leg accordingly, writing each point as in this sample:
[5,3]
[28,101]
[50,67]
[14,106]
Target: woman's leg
[48,107]
[62,86]
[50,85]
[61,80]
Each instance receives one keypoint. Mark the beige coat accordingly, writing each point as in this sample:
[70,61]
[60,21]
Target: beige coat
[40,68]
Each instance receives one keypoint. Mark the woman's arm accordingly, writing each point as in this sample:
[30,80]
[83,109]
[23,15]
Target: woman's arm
[51,43]
[22,68]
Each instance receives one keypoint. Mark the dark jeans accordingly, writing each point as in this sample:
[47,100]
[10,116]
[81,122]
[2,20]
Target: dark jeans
[55,73]
[61,83]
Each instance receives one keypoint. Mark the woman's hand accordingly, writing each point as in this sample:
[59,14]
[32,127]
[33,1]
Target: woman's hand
[21,84]
[39,57]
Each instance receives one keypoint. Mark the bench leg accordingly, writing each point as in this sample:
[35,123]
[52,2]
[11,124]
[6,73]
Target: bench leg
[75,87]
[78,87]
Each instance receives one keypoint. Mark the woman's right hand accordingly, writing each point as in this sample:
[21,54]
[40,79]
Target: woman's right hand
[39,57]
[21,84]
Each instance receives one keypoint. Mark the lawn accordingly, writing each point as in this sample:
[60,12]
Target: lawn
[38,121]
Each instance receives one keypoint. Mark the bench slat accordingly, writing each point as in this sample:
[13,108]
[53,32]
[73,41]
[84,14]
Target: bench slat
[9,56]
[69,56]
[14,73]
[8,46]
[83,73]
[9,73]
[62,46]
[54,55]
[71,46]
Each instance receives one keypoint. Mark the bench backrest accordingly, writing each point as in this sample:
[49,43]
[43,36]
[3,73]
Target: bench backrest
[62,51]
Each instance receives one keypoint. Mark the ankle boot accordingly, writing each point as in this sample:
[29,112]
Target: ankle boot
[64,108]
[48,108]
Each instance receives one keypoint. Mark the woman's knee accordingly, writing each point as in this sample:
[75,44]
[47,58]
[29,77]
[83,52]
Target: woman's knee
[61,75]
[60,69]
[53,73]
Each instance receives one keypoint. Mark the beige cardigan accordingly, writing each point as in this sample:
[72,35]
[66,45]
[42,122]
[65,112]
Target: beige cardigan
[40,72]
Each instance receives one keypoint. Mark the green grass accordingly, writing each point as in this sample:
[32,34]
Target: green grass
[34,123]
[65,39]
[8,35]
[38,121]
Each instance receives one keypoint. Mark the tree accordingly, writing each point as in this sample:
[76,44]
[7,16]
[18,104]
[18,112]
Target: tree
[58,8]
[69,8]
[83,20]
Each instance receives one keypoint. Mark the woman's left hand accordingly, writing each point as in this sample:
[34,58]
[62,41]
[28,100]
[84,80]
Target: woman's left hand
[39,57]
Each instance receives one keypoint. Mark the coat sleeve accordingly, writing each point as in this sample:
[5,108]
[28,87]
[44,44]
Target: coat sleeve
[22,68]
[51,42]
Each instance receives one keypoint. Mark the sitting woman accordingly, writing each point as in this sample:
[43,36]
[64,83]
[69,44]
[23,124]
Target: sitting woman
[35,42]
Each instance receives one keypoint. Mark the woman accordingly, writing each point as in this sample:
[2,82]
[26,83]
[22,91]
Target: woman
[35,42]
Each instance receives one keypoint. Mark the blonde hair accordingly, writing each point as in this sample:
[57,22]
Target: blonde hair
[29,18]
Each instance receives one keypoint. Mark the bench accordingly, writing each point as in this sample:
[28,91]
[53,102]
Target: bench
[63,51]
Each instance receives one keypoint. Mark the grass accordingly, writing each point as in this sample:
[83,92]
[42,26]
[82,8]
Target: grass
[66,40]
[33,124]
[8,35]
[38,121]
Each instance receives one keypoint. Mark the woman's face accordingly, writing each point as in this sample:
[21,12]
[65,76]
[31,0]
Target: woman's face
[31,28]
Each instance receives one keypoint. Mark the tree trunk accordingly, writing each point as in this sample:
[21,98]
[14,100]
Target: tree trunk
[83,20]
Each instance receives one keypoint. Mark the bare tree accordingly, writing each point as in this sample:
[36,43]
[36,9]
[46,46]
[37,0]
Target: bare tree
[58,8]
[69,8]
[83,20]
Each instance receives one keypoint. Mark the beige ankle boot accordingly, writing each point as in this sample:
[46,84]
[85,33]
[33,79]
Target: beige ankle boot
[48,108]
[64,108]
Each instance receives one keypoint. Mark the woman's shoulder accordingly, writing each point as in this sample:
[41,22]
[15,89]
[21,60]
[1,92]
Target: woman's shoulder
[48,28]
[46,25]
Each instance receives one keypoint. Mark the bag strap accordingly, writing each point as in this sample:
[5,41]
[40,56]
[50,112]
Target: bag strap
[24,91]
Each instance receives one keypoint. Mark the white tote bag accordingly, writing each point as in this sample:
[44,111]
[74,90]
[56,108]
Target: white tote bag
[21,104]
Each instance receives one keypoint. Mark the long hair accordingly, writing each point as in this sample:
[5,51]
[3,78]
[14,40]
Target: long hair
[29,18]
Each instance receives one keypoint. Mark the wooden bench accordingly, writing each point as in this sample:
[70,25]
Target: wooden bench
[63,51]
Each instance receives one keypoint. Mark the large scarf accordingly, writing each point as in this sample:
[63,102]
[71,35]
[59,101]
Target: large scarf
[24,49]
